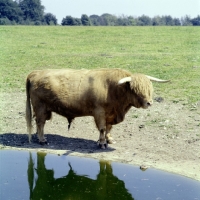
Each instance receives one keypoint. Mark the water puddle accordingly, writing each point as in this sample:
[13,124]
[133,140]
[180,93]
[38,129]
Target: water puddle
[40,176]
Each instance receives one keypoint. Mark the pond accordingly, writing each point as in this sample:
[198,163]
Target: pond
[41,176]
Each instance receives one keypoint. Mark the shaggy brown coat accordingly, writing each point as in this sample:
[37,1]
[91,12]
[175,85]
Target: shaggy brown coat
[76,93]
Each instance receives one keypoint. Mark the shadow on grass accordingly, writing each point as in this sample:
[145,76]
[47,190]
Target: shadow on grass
[56,142]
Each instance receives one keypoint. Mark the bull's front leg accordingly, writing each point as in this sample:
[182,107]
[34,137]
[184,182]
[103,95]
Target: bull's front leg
[102,140]
[101,125]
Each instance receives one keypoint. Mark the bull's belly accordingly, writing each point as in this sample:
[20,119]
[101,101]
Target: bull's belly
[71,112]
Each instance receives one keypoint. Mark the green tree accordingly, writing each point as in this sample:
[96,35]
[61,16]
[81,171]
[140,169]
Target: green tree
[144,21]
[108,20]
[70,21]
[95,20]
[78,22]
[50,19]
[156,21]
[177,22]
[186,21]
[132,21]
[33,10]
[169,20]
[196,21]
[85,20]
[10,11]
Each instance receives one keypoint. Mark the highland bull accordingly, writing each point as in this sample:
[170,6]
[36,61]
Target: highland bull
[105,94]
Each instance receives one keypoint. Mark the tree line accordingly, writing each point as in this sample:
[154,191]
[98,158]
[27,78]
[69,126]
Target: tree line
[24,12]
[31,12]
[113,20]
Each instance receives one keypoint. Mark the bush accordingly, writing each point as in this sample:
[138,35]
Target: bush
[37,23]
[5,21]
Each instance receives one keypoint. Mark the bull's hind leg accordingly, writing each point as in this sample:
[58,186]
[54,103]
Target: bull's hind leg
[40,131]
[109,138]
[41,115]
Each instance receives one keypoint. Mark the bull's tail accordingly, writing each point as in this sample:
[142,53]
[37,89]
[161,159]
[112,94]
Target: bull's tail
[28,110]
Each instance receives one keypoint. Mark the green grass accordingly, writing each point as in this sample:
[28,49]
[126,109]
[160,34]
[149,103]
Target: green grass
[164,52]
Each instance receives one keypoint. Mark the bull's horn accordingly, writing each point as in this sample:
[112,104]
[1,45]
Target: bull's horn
[124,80]
[157,79]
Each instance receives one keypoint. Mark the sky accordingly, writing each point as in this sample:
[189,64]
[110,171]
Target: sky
[136,8]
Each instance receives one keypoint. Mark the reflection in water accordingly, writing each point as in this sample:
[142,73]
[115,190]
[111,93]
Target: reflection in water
[73,186]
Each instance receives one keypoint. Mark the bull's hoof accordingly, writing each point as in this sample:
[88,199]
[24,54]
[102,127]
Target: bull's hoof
[103,146]
[43,143]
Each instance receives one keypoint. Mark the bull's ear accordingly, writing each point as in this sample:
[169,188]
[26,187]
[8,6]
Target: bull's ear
[125,80]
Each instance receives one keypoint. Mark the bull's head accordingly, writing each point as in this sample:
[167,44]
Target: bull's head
[142,89]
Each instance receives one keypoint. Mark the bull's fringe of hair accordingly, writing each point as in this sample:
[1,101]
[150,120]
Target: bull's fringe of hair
[28,111]
[140,84]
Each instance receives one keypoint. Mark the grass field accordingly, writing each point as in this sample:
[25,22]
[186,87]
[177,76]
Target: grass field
[164,52]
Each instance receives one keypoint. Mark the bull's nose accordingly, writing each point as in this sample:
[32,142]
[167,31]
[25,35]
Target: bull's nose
[149,103]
